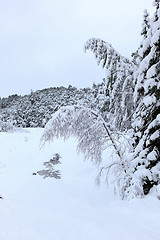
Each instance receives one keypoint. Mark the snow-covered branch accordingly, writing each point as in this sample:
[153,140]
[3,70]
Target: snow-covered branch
[118,83]
[87,126]
[106,54]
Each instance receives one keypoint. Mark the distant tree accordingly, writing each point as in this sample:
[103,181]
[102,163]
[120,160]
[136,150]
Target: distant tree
[100,101]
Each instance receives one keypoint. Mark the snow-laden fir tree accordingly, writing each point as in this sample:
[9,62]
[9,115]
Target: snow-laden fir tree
[146,119]
[119,81]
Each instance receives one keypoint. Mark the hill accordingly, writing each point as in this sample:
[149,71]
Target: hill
[36,108]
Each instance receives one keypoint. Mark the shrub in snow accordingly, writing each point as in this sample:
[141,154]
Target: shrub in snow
[50,171]
[6,126]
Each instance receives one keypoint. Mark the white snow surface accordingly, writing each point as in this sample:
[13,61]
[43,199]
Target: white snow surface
[149,100]
[71,208]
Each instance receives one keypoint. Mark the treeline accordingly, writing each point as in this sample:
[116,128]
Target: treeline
[36,108]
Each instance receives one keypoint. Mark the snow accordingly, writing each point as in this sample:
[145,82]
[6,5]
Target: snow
[155,135]
[158,118]
[149,100]
[70,208]
[152,155]
[152,71]
[156,36]
[149,84]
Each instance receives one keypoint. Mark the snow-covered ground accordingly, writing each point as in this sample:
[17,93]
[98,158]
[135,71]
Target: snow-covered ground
[70,208]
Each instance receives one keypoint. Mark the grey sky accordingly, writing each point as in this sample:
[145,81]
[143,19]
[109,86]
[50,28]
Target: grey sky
[41,41]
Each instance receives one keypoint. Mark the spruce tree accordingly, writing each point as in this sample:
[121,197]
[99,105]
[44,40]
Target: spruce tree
[146,120]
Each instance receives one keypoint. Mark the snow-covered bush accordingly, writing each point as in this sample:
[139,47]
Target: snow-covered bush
[6,126]
[49,170]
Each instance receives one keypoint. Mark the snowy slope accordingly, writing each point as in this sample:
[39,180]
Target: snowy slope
[71,208]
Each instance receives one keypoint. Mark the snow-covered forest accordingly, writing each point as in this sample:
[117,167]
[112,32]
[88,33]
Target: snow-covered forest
[47,190]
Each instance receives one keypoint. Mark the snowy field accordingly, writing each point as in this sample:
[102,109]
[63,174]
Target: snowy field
[70,208]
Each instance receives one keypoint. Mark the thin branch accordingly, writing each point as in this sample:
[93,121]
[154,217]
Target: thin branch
[105,168]
[111,139]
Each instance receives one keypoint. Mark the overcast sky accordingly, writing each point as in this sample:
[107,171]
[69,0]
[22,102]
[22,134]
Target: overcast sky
[41,41]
